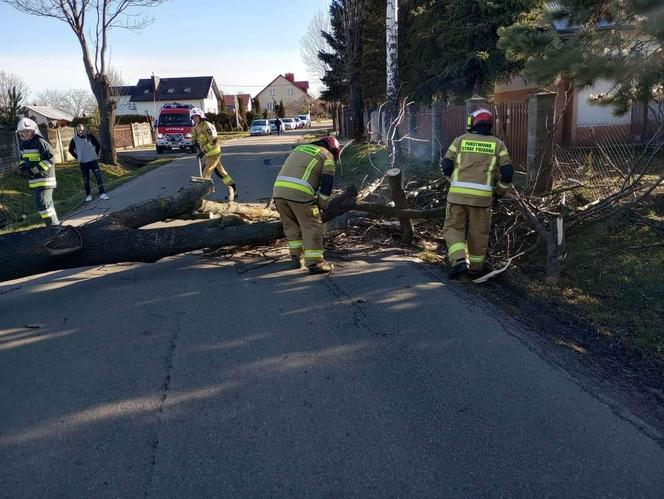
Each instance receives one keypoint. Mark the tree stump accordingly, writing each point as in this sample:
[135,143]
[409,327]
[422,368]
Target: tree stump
[395,179]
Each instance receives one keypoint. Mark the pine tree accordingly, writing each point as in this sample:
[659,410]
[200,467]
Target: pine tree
[601,39]
[450,46]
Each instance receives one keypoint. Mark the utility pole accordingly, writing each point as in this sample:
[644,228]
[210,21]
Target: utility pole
[392,62]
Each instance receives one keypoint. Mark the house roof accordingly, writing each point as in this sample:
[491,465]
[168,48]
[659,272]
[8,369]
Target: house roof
[229,99]
[300,85]
[564,25]
[169,89]
[51,113]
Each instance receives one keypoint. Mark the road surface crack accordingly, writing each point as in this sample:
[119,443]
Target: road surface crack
[167,365]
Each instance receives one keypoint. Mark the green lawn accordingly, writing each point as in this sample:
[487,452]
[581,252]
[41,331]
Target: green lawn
[17,209]
[614,276]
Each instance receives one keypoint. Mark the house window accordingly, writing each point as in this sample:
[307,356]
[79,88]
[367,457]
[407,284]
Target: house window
[171,90]
[273,91]
[132,106]
[187,90]
[270,105]
[290,91]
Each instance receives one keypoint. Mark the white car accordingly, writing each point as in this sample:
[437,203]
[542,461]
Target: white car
[260,127]
[305,118]
[289,123]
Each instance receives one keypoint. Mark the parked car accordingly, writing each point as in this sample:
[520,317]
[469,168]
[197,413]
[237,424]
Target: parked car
[260,127]
[306,118]
[298,123]
[289,123]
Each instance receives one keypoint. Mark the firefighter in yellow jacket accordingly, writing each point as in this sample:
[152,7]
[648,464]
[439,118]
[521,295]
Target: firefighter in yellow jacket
[480,171]
[303,188]
[204,135]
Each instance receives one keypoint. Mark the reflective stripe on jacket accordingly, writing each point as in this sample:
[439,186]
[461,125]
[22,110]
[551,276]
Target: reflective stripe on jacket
[205,135]
[300,177]
[39,154]
[477,161]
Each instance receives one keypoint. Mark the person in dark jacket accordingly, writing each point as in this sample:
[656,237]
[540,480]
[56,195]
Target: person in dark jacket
[280,125]
[85,148]
[36,164]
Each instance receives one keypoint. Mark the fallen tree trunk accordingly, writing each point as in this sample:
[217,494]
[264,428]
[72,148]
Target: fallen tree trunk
[117,237]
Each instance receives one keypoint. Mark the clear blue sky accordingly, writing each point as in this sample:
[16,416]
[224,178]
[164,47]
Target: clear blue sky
[243,44]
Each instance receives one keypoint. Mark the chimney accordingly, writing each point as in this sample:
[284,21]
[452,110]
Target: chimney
[290,77]
[155,83]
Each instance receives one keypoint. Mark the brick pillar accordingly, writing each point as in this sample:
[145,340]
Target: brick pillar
[541,112]
[476,102]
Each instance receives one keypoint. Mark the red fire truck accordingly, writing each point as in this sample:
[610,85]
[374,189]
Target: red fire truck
[174,127]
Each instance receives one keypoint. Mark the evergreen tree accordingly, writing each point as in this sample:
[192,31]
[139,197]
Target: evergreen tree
[449,46]
[596,39]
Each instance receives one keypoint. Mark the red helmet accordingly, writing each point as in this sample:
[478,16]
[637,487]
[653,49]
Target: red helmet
[479,117]
[331,144]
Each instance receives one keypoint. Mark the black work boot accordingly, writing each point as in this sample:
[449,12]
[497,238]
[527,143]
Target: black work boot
[320,268]
[297,261]
[458,269]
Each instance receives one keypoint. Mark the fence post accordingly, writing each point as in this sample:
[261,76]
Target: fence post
[541,107]
[411,125]
[436,125]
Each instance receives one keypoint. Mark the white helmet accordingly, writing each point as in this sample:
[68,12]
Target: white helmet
[27,124]
[197,112]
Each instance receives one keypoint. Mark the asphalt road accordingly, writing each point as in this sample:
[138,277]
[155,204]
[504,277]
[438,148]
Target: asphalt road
[207,377]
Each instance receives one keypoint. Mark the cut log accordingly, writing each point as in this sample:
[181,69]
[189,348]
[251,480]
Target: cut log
[395,178]
[251,210]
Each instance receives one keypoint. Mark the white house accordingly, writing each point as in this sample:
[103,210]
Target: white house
[149,94]
[294,95]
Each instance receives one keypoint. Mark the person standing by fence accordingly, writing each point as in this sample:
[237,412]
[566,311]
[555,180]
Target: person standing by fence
[36,164]
[85,148]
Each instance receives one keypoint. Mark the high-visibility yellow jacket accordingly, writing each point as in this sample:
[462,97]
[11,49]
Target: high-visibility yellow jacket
[477,161]
[37,162]
[205,135]
[307,175]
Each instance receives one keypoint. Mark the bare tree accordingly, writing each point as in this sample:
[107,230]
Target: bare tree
[78,102]
[313,43]
[11,82]
[91,21]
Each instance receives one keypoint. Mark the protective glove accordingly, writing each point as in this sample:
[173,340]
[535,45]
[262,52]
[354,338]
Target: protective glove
[496,200]
[201,154]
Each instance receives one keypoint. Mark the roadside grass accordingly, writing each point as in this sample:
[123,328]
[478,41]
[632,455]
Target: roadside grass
[16,201]
[613,277]
[232,135]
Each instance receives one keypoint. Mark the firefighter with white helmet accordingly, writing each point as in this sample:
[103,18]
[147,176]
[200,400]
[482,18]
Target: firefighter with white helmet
[480,170]
[204,135]
[303,188]
[36,164]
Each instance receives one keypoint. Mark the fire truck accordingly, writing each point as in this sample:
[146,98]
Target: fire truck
[174,127]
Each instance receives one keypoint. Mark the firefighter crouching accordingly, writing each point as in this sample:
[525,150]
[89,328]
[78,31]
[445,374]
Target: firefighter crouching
[303,188]
[36,164]
[480,170]
[204,134]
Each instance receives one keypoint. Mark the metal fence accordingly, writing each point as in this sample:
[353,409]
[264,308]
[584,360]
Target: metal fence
[427,132]
[8,152]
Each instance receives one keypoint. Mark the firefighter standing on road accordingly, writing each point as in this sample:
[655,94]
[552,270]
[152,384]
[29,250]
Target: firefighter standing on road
[481,170]
[204,134]
[303,188]
[36,164]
